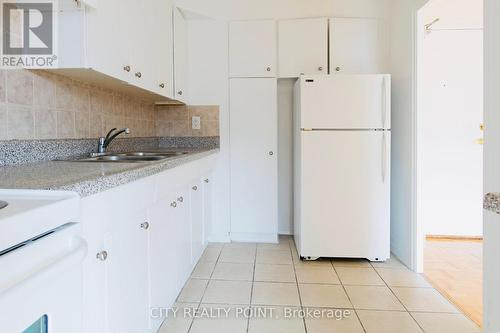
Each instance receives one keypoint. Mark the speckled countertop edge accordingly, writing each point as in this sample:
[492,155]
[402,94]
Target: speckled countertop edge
[492,202]
[92,183]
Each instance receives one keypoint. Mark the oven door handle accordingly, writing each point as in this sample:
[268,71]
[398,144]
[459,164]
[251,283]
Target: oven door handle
[74,256]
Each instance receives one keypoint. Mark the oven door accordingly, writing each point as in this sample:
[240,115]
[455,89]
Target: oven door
[41,283]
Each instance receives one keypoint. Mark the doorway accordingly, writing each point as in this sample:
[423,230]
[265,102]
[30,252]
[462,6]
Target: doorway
[449,150]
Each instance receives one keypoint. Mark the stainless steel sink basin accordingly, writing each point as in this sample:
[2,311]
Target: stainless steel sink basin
[131,157]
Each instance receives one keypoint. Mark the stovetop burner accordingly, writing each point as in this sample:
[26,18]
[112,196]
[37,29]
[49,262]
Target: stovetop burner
[3,204]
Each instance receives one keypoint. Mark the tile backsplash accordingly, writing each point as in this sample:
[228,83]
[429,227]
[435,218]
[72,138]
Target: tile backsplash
[175,120]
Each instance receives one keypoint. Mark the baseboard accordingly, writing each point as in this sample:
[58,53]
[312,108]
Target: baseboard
[248,237]
[453,238]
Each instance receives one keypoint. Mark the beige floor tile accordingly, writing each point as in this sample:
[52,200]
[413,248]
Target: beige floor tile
[402,278]
[270,293]
[193,291]
[392,262]
[274,273]
[281,321]
[233,271]
[320,295]
[217,245]
[344,262]
[373,298]
[203,270]
[228,292]
[219,318]
[310,263]
[342,321]
[317,274]
[445,322]
[274,257]
[359,276]
[423,300]
[179,320]
[388,322]
[243,255]
[240,245]
[211,254]
[283,245]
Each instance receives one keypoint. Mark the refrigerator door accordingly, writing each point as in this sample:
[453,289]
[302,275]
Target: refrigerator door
[345,194]
[345,102]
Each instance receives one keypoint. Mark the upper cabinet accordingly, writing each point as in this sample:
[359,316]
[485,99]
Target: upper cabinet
[180,56]
[303,47]
[357,46]
[252,49]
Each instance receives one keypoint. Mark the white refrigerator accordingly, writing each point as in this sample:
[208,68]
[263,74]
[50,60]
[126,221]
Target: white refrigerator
[342,170]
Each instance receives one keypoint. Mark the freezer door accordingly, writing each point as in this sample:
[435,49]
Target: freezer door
[345,194]
[345,101]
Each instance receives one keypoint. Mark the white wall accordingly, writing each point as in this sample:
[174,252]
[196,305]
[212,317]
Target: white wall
[208,83]
[450,164]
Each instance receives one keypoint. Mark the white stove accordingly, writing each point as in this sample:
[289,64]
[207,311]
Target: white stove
[41,255]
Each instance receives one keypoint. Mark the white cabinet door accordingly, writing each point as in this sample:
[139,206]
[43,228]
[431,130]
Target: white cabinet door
[183,235]
[180,56]
[196,214]
[252,49]
[253,114]
[357,46]
[164,286]
[303,47]
[127,274]
[207,207]
[163,55]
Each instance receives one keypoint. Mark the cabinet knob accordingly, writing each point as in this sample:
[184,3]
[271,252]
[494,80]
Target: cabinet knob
[173,204]
[138,74]
[145,225]
[338,69]
[271,153]
[126,68]
[180,199]
[162,85]
[195,188]
[268,69]
[320,68]
[102,256]
[179,92]
[206,180]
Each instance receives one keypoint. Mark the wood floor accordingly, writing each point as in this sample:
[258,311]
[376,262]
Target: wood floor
[455,268]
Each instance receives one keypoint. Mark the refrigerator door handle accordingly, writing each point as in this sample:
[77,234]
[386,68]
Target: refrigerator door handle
[384,157]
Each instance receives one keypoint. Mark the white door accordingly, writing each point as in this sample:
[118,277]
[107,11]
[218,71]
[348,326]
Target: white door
[196,214]
[339,170]
[162,260]
[492,167]
[252,49]
[303,47]
[357,46]
[164,54]
[345,101]
[180,55]
[184,230]
[207,207]
[253,139]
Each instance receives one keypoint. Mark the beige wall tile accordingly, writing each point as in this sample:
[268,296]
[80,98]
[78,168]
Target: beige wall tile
[65,124]
[2,86]
[64,93]
[82,125]
[96,126]
[81,98]
[20,122]
[45,124]
[179,116]
[44,90]
[3,122]
[19,87]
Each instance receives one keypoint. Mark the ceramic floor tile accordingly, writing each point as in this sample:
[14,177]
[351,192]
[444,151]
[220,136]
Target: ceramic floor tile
[317,274]
[203,270]
[233,271]
[270,293]
[341,262]
[193,291]
[243,255]
[402,278]
[274,273]
[359,276]
[274,257]
[373,298]
[319,295]
[281,321]
[179,319]
[211,254]
[445,322]
[219,318]
[228,292]
[334,321]
[423,300]
[308,263]
[281,246]
[388,322]
[240,245]
[392,262]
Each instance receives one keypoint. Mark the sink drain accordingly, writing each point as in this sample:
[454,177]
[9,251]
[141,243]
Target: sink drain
[3,204]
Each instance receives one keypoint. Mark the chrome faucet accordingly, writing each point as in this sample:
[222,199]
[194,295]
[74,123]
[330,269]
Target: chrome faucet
[105,142]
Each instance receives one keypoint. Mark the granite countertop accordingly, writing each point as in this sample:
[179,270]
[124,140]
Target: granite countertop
[87,178]
[492,202]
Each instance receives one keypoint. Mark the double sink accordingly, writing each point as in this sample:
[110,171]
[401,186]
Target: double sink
[132,157]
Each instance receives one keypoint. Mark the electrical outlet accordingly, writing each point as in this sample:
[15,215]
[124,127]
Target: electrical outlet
[196,123]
